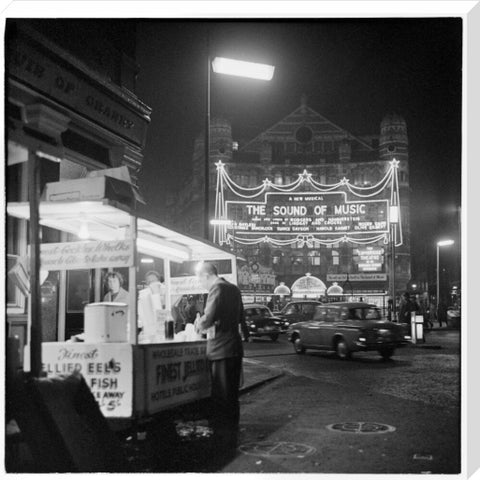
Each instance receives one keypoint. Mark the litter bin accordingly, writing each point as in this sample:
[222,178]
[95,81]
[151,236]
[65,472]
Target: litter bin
[417,328]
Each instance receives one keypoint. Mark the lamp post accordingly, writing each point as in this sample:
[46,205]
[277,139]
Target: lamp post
[441,243]
[394,218]
[238,68]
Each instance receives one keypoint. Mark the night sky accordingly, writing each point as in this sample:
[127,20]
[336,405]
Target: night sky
[353,71]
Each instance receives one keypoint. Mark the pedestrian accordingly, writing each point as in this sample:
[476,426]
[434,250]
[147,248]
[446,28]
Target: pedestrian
[270,304]
[442,313]
[407,306]
[224,313]
[431,313]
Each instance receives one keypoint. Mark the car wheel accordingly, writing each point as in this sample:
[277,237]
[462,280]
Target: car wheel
[386,353]
[341,349]
[297,345]
[274,337]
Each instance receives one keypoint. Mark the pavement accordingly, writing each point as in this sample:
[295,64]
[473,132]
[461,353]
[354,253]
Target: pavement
[255,375]
[284,428]
[296,424]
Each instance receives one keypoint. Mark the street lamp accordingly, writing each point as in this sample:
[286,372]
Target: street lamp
[441,243]
[394,219]
[238,68]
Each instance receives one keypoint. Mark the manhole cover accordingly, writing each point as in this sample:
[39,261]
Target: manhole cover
[277,449]
[361,427]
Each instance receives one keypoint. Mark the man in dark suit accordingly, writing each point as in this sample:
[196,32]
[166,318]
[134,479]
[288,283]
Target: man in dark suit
[223,315]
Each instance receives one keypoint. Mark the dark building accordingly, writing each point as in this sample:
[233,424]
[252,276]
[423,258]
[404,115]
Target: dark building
[305,140]
[70,103]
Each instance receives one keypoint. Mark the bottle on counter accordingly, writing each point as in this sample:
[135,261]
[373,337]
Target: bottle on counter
[169,328]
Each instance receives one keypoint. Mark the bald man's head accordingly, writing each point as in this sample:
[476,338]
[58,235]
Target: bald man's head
[207,273]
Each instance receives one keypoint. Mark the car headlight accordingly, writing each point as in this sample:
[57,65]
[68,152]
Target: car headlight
[407,337]
[253,325]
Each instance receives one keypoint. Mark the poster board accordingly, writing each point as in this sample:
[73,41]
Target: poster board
[176,373]
[107,369]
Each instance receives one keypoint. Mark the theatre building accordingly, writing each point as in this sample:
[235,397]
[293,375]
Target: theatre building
[306,143]
[71,105]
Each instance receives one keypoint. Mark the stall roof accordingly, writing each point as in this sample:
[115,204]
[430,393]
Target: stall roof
[109,220]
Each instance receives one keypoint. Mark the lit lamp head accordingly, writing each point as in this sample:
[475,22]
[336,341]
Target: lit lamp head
[239,68]
[445,243]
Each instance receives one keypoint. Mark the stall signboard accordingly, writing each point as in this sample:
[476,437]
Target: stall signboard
[316,213]
[175,374]
[369,259]
[190,285]
[86,255]
[107,369]
[357,277]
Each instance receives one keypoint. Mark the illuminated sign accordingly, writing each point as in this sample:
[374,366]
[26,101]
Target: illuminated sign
[327,213]
[369,259]
[356,277]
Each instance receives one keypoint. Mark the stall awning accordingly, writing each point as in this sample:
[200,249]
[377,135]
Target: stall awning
[108,220]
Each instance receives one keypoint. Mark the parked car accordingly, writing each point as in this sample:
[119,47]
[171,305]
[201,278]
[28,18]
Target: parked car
[347,327]
[261,322]
[298,311]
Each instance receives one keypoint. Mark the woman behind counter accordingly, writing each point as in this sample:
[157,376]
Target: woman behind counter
[114,283]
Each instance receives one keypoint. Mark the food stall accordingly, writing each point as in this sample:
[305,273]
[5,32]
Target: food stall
[131,375]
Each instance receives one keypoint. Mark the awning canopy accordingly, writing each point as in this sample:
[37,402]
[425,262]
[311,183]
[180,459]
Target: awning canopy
[108,220]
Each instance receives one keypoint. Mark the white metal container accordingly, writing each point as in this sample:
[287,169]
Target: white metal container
[106,322]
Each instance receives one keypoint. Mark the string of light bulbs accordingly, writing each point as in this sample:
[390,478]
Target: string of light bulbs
[306,239]
[249,193]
